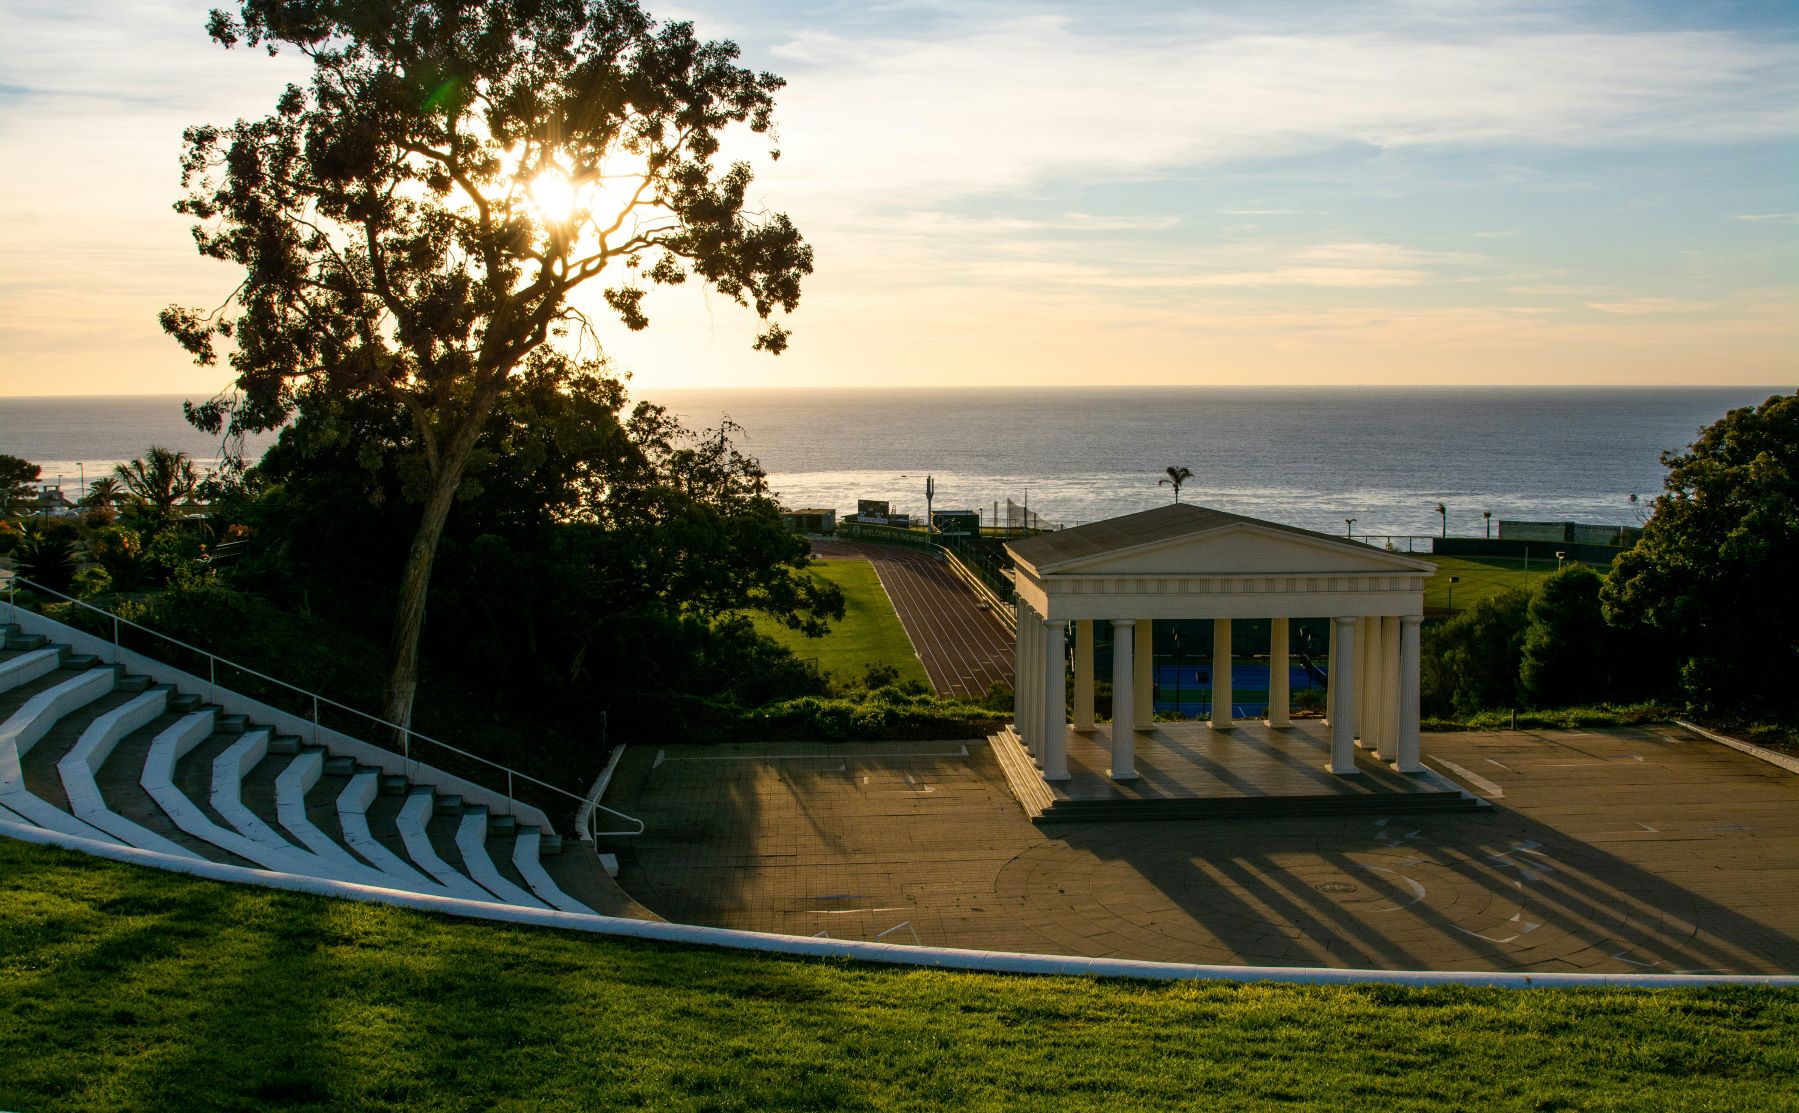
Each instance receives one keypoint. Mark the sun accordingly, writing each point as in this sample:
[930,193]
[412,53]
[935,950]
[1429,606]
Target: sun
[557,199]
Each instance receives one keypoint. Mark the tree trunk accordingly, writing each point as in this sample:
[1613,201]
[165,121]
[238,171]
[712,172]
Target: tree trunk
[415,579]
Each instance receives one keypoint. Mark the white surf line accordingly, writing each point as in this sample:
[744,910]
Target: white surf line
[940,958]
[1471,777]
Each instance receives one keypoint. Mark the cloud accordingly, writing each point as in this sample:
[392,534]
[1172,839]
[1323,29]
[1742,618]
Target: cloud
[999,102]
[1781,218]
[1643,307]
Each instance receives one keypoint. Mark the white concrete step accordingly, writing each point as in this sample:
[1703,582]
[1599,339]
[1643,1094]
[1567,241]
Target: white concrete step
[228,772]
[291,786]
[22,730]
[471,840]
[159,781]
[28,666]
[353,815]
[412,822]
[80,768]
[525,860]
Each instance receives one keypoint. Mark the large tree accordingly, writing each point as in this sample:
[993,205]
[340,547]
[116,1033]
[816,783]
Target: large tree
[1713,572]
[415,222]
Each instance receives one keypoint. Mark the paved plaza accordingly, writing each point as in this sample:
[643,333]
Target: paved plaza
[1646,850]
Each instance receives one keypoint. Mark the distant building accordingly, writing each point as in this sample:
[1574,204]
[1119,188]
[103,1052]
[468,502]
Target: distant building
[809,521]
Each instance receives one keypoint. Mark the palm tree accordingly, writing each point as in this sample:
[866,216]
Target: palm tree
[1176,477]
[1443,512]
[103,492]
[159,479]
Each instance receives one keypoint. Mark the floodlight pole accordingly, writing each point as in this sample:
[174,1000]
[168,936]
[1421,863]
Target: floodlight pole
[1350,522]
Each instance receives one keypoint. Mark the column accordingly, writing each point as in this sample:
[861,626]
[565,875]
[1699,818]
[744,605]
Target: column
[1389,685]
[1143,694]
[1280,675]
[1330,676]
[1021,676]
[1343,670]
[1034,696]
[1410,760]
[1055,706]
[1367,656]
[1221,674]
[1083,675]
[1124,720]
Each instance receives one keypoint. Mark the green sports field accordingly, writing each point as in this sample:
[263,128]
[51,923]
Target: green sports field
[868,634]
[1481,577]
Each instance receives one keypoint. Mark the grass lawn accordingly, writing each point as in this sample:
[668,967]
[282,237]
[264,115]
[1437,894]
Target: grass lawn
[869,634]
[1481,577]
[128,988]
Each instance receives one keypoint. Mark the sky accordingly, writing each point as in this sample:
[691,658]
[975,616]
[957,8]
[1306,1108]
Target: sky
[1022,194]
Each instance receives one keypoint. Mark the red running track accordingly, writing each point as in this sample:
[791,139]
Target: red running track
[964,648]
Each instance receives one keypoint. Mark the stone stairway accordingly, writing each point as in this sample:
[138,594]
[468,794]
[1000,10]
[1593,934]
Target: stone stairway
[89,750]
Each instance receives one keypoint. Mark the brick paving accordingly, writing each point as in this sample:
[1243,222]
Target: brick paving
[1644,850]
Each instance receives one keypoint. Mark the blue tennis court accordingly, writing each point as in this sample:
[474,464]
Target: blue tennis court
[1187,689]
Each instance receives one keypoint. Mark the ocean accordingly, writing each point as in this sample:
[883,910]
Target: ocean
[1307,456]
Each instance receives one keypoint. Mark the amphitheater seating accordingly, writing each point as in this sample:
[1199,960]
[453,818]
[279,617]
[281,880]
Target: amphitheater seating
[90,751]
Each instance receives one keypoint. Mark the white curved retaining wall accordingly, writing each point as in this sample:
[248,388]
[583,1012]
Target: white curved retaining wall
[235,703]
[27,667]
[80,767]
[947,958]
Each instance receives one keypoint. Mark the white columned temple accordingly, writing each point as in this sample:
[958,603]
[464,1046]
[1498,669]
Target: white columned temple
[1186,562]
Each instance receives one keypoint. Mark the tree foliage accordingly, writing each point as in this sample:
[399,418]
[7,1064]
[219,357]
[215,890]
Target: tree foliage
[1177,475]
[1712,576]
[414,223]
[1565,656]
[1471,662]
[157,482]
[600,551]
[18,483]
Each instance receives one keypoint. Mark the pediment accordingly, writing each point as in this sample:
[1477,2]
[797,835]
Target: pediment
[1240,548]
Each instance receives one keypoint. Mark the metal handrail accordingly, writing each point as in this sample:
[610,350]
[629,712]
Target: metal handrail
[407,734]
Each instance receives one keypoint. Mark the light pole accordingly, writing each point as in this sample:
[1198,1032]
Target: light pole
[1453,580]
[1488,515]
[1561,558]
[82,464]
[1350,522]
[930,492]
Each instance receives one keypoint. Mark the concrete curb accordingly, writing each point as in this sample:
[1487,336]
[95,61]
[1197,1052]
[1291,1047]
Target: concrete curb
[1790,764]
[942,958]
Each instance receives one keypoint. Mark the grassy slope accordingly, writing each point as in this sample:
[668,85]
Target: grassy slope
[123,987]
[869,634]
